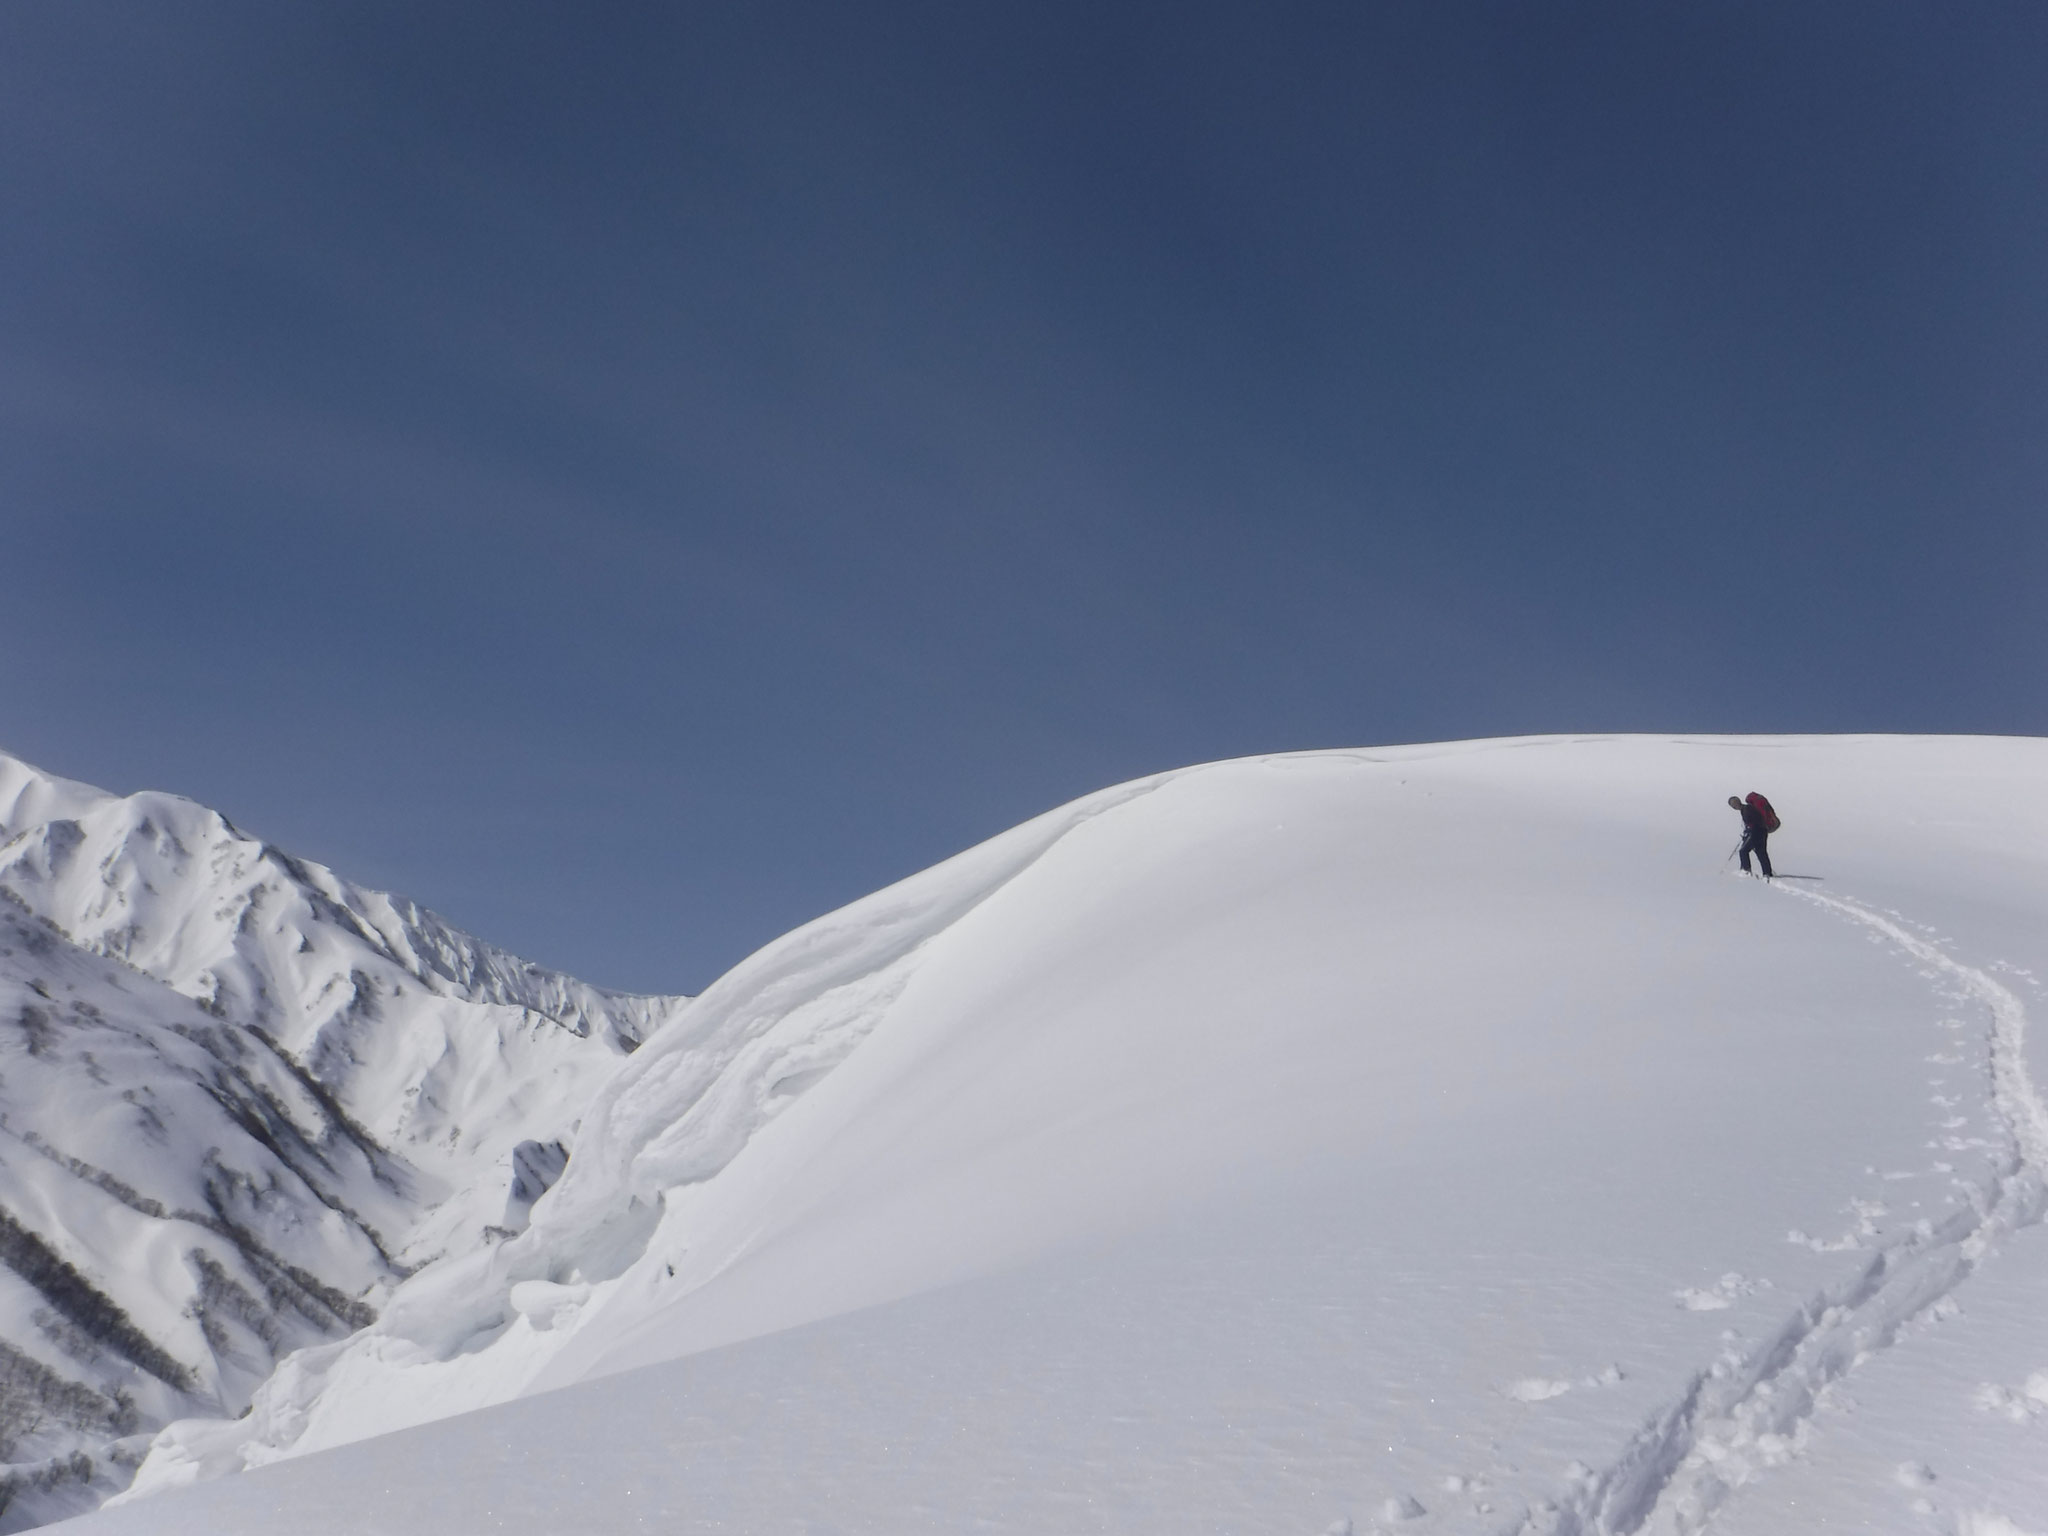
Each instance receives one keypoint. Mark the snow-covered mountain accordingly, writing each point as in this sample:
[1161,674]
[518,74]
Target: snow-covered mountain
[240,1099]
[1441,1139]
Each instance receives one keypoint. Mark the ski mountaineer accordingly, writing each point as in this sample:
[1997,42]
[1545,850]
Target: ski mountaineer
[1758,822]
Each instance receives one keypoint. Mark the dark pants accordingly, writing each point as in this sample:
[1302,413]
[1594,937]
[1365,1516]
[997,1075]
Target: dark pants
[1756,840]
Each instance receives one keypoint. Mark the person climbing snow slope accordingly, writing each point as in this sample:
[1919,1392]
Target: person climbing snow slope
[1759,821]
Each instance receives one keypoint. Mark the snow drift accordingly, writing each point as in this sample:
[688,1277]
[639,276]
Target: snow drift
[1436,1137]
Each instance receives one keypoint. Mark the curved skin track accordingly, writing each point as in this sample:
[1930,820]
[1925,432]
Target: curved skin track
[1745,1415]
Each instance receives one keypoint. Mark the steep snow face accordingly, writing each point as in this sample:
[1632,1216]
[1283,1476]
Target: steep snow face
[240,1099]
[1441,1136]
[437,1044]
[351,982]
[180,1206]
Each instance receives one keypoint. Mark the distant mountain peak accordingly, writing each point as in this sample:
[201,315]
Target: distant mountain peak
[241,1098]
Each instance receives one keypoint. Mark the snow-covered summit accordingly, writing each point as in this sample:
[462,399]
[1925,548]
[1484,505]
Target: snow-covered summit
[240,1099]
[252,933]
[1435,1138]
[437,1043]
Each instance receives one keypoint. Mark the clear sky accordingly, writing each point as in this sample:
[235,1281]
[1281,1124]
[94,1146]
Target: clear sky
[636,476]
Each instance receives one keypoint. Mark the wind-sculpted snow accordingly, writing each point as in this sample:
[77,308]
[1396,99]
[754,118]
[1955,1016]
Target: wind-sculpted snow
[1439,1139]
[474,1330]
[240,1100]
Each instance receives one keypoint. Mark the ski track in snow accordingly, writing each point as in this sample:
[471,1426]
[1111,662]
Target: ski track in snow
[1750,1411]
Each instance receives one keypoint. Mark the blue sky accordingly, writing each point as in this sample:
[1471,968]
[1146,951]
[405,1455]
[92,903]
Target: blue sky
[635,477]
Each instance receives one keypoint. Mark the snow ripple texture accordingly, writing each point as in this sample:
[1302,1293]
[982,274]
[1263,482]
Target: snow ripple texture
[1749,1413]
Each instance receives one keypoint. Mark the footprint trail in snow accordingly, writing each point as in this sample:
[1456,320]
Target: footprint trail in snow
[1749,1412]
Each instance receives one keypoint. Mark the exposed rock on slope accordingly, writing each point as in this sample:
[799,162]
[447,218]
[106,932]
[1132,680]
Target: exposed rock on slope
[240,1099]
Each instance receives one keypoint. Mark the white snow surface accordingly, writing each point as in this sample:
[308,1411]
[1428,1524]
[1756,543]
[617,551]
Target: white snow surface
[434,1043]
[240,1099]
[1440,1139]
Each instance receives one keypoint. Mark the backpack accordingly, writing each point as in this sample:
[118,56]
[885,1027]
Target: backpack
[1762,807]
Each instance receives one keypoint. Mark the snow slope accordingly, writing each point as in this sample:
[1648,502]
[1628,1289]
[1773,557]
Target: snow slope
[240,1100]
[1436,1138]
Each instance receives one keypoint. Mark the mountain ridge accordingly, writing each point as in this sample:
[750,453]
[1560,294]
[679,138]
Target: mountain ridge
[241,1101]
[1438,1131]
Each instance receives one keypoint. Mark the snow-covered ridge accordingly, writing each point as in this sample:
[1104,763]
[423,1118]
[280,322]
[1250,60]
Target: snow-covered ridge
[240,1100]
[1316,1136]
[435,1041]
[179,1207]
[179,892]
[479,1328]
[1341,1141]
